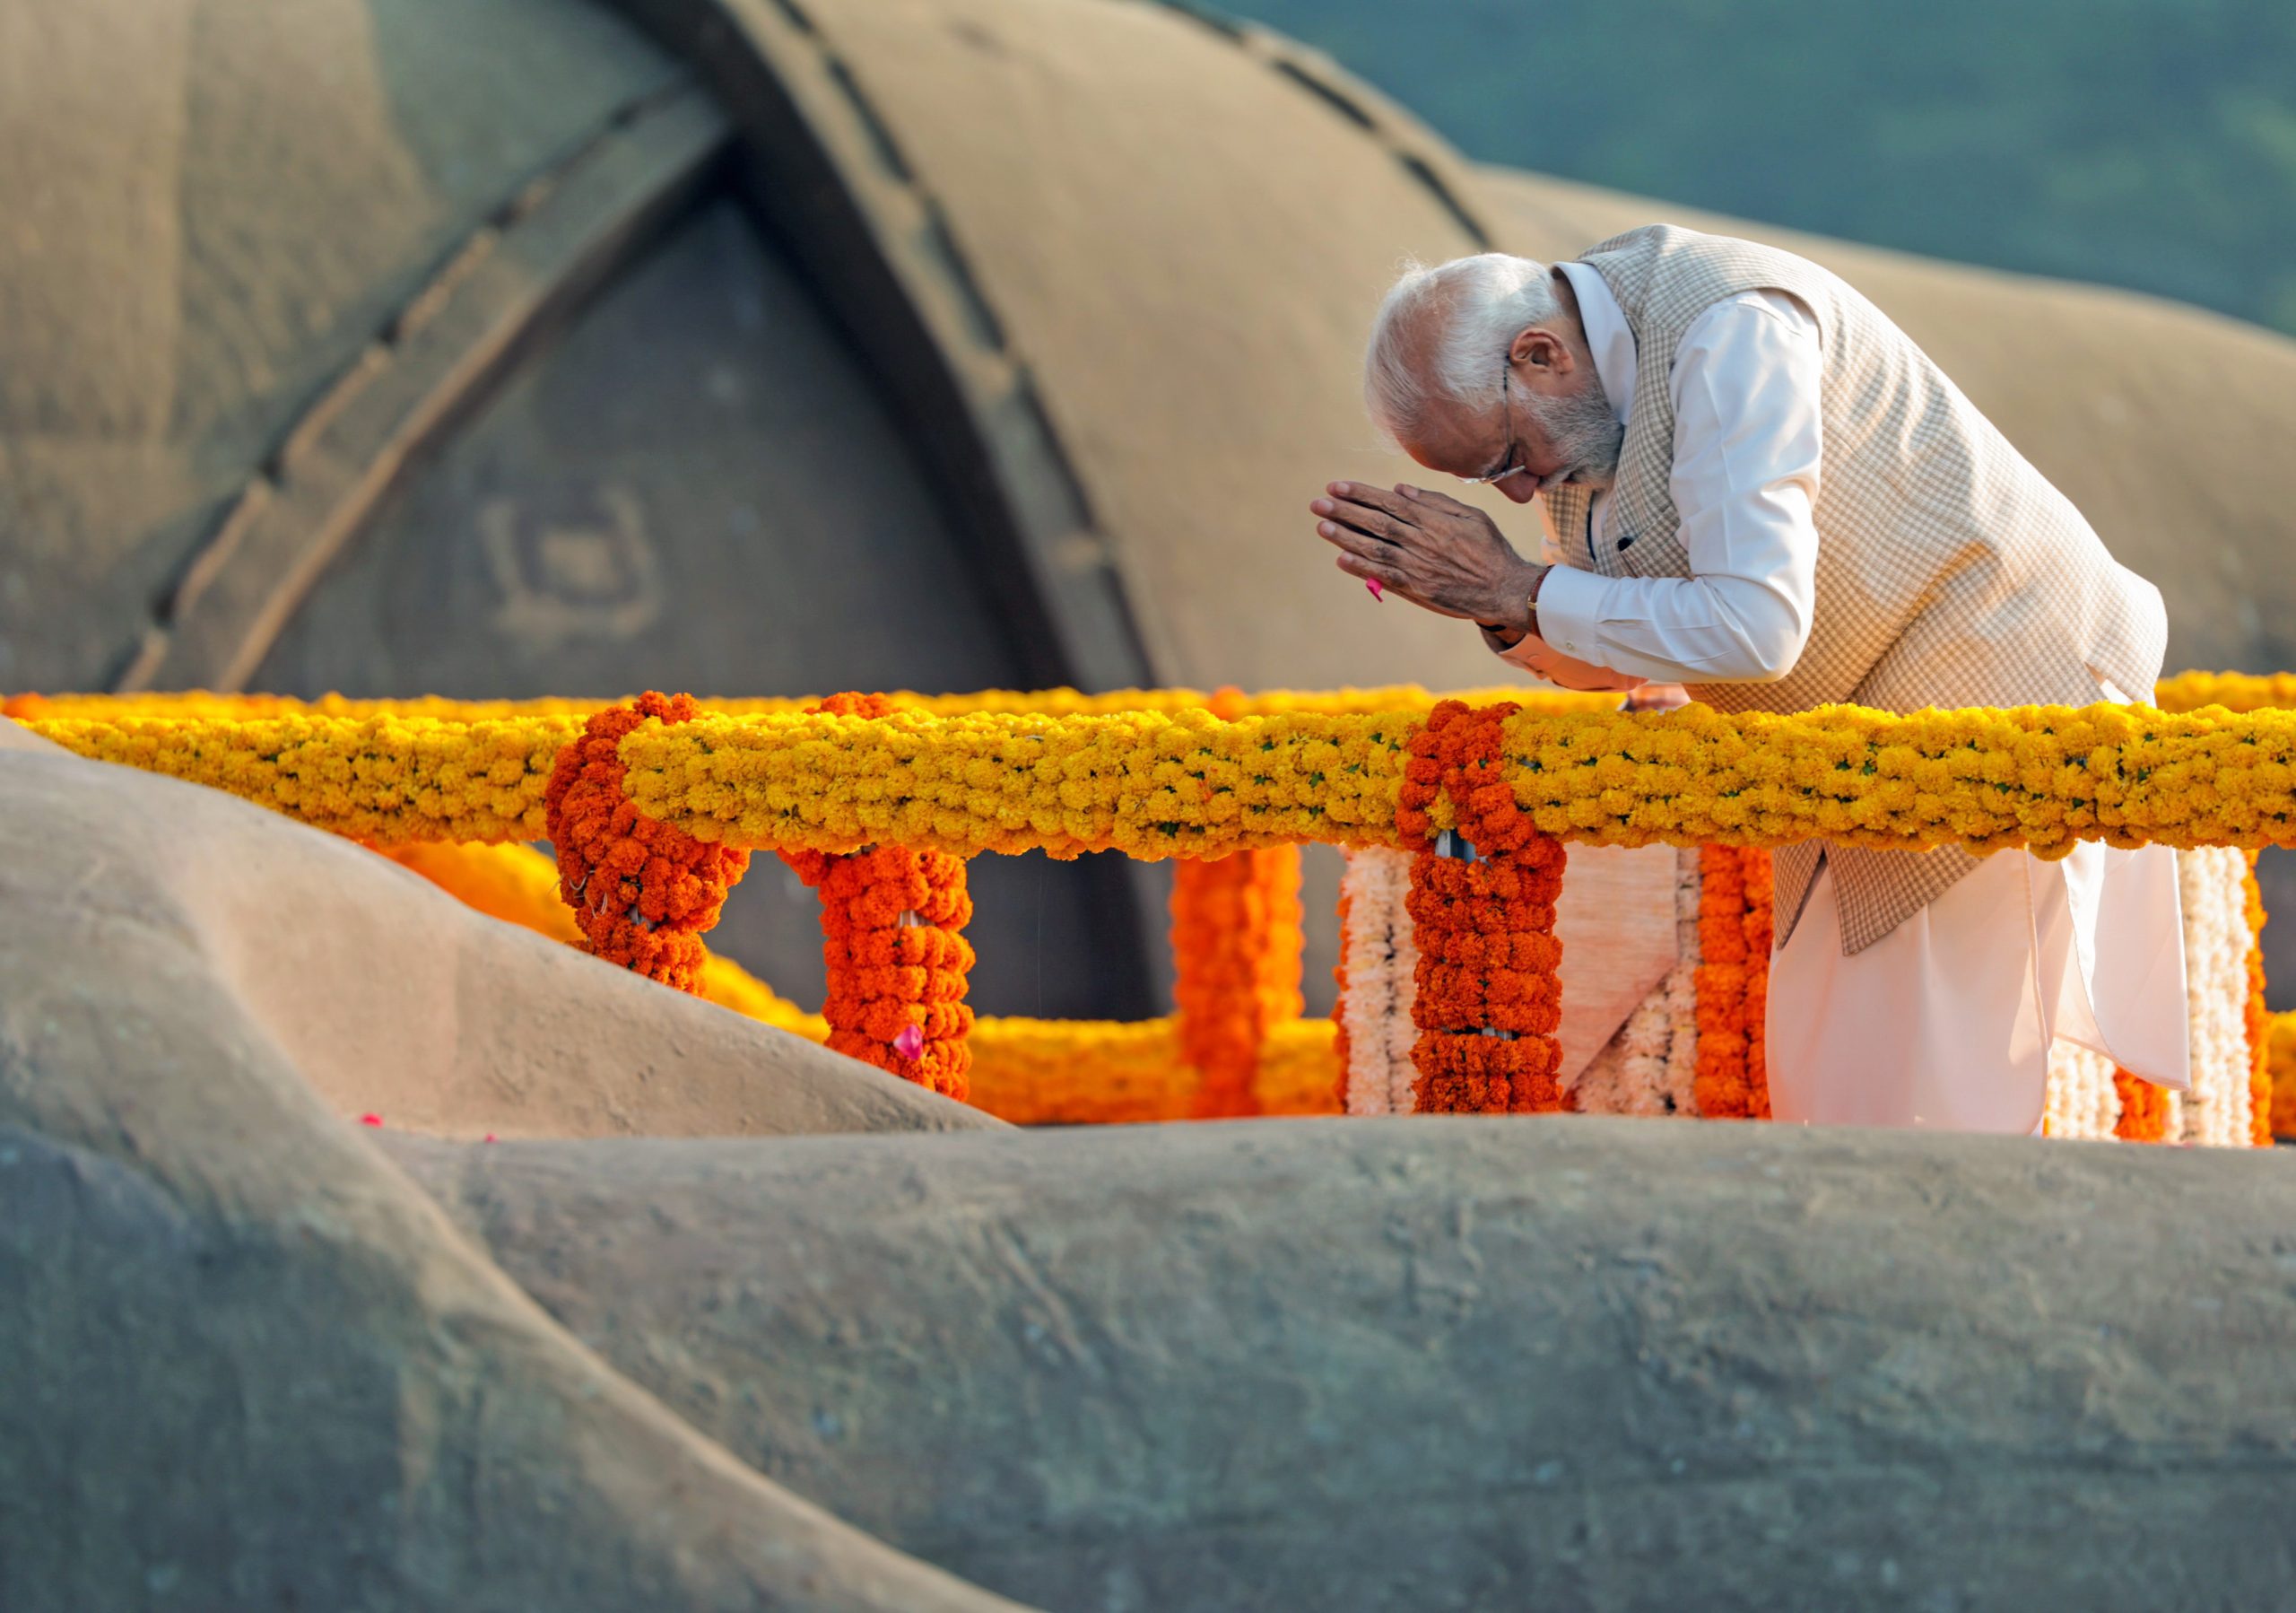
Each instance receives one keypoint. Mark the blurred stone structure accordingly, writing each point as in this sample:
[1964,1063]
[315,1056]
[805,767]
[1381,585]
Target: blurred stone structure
[769,346]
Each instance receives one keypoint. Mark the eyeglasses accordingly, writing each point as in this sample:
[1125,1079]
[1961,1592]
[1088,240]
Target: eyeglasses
[1507,414]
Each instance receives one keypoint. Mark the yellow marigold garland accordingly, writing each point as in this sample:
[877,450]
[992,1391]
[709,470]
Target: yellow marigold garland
[1235,949]
[1043,1072]
[642,891]
[2185,692]
[1189,784]
[1227,703]
[2233,691]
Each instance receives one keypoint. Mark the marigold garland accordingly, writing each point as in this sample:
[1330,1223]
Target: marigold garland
[1235,949]
[2257,1020]
[1155,774]
[2280,1047]
[1342,1044]
[2146,1112]
[1758,933]
[1187,783]
[896,964]
[1045,1072]
[1378,980]
[2080,1099]
[1226,702]
[1487,999]
[642,891]
[1733,984]
[2219,1109]
[2235,692]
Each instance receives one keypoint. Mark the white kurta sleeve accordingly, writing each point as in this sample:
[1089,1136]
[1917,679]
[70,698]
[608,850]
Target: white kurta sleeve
[1535,655]
[1746,385]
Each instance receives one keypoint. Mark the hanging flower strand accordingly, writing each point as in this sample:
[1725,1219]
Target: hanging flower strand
[1733,982]
[1236,952]
[896,964]
[643,892]
[1488,999]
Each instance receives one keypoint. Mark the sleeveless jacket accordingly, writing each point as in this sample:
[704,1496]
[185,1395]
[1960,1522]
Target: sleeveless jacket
[1949,572]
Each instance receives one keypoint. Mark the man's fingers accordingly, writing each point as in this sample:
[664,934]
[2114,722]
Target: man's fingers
[1443,502]
[1366,523]
[1366,496]
[1355,543]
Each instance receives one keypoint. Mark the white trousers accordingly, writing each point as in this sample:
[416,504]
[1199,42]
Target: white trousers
[1946,1021]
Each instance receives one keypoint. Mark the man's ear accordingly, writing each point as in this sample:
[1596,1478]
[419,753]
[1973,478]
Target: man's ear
[1536,347]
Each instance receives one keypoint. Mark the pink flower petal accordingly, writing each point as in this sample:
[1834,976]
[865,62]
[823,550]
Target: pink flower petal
[910,1043]
[1373,584]
[489,1138]
[370,1119]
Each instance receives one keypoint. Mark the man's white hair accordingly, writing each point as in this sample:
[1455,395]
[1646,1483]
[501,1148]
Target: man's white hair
[1441,336]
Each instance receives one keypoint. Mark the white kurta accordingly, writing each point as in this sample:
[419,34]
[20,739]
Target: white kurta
[1946,1021]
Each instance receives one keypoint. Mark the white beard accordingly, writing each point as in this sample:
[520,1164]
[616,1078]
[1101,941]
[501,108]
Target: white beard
[1584,433]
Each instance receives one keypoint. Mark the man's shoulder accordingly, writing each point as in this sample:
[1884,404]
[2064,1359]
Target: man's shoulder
[1667,265]
[1659,236]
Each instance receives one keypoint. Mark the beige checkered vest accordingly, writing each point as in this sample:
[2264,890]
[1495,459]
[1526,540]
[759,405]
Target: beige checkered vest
[1950,572]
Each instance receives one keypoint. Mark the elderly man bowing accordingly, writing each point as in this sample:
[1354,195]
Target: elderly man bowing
[1751,482]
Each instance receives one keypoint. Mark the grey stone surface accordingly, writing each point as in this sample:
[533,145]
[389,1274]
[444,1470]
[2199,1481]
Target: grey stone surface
[248,1364]
[1457,1364]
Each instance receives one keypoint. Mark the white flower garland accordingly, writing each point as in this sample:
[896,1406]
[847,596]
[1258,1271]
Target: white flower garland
[2210,881]
[2081,1101]
[1379,977]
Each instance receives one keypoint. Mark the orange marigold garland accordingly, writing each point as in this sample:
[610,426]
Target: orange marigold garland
[1733,982]
[2260,1019]
[1341,1046]
[896,964]
[2280,1043]
[1236,950]
[642,891]
[1489,1000]
[2143,1110]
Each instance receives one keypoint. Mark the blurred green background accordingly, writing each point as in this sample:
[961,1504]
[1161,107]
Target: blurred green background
[2146,144]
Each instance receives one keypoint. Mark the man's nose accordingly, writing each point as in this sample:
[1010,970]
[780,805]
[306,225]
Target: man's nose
[1521,489]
